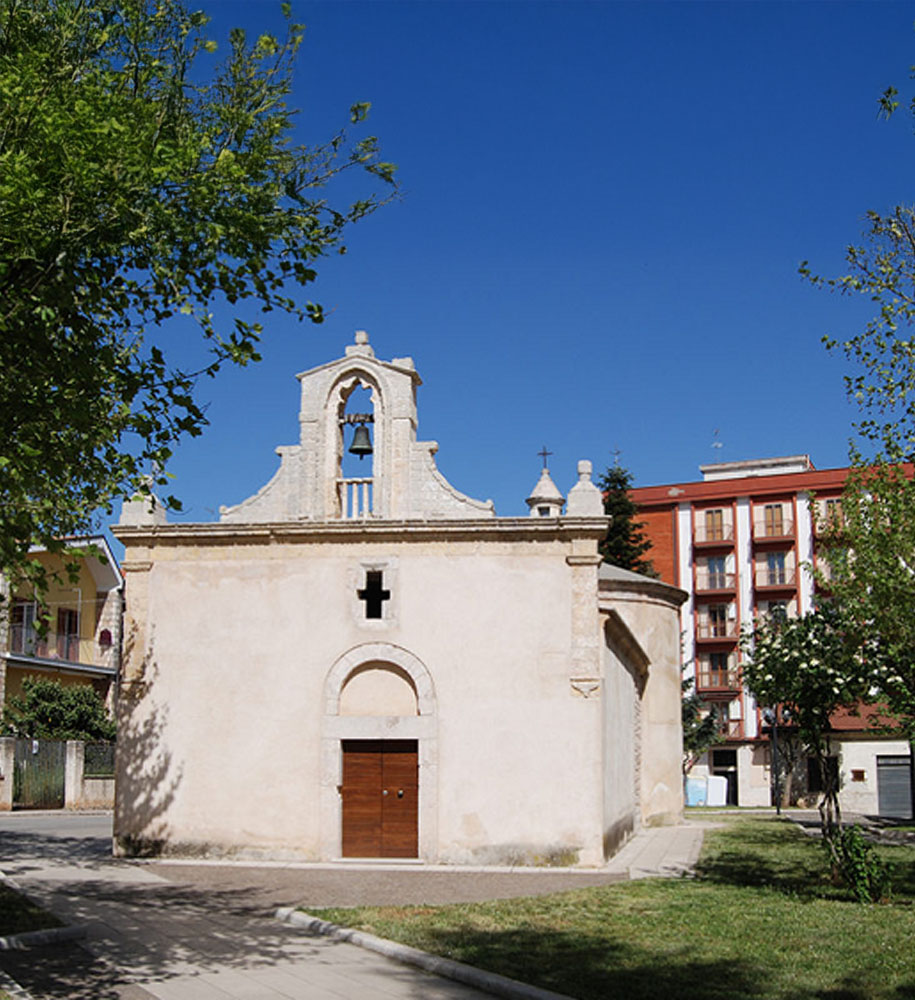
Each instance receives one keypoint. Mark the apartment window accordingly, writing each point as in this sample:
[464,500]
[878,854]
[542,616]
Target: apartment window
[717,577]
[68,634]
[775,569]
[718,664]
[717,620]
[777,610]
[23,628]
[774,520]
[714,525]
[832,512]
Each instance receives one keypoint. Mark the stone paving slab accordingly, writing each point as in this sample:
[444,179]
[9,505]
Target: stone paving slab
[171,931]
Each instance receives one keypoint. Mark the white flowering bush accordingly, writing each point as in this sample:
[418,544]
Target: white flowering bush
[807,669]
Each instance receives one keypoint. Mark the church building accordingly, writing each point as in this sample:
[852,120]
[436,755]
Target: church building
[377,666]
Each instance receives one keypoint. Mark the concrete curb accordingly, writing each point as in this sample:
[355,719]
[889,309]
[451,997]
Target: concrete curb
[489,982]
[38,939]
[13,988]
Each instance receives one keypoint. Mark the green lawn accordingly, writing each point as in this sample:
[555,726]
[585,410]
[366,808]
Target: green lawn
[18,914]
[760,921]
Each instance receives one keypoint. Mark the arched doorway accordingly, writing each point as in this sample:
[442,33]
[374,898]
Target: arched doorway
[379,750]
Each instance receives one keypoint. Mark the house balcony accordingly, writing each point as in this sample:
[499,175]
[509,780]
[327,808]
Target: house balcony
[731,729]
[715,583]
[58,647]
[717,631]
[710,680]
[775,530]
[769,579]
[713,536]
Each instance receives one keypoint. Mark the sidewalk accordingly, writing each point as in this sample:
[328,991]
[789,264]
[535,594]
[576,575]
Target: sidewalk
[206,931]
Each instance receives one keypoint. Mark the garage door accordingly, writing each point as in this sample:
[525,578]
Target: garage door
[894,788]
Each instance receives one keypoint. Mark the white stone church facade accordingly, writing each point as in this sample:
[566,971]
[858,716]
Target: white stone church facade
[379,666]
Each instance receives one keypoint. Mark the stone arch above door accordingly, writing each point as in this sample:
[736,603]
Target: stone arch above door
[422,726]
[380,653]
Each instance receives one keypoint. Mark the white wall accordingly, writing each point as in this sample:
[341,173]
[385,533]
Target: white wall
[226,737]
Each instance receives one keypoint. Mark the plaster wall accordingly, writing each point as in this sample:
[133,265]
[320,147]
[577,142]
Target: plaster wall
[861,755]
[656,624]
[621,713]
[753,775]
[225,690]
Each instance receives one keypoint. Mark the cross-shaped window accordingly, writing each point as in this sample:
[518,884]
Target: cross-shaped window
[373,594]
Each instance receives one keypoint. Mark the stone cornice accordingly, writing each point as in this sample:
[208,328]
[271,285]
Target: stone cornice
[665,593]
[563,529]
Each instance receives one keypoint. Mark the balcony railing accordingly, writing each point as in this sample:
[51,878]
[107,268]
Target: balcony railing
[711,679]
[712,534]
[775,576]
[717,630]
[731,728]
[356,498]
[706,580]
[26,641]
[779,527]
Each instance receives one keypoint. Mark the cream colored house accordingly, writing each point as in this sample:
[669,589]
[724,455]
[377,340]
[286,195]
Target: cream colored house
[378,666]
[70,633]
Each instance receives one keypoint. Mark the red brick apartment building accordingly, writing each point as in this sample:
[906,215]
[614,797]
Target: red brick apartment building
[741,542]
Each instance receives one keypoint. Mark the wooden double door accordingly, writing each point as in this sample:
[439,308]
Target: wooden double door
[380,794]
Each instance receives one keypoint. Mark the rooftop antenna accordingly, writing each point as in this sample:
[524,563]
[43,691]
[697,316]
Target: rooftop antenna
[716,444]
[616,452]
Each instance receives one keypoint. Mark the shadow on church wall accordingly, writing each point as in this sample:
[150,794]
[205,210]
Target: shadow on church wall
[147,777]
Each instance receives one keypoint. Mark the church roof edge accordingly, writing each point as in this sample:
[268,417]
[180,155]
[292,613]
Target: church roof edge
[361,352]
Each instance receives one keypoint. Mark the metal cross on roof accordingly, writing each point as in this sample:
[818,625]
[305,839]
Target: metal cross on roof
[544,454]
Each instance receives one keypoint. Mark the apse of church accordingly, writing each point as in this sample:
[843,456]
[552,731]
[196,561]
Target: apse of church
[295,684]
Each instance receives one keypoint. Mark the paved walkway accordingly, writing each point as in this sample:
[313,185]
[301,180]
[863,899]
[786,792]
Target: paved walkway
[207,931]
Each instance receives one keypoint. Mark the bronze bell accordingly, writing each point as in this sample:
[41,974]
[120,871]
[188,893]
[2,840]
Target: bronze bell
[362,443]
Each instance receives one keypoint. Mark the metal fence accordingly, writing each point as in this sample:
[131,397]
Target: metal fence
[38,774]
[98,760]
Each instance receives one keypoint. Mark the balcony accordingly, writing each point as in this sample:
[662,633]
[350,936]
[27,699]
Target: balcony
[775,578]
[716,679]
[24,640]
[714,582]
[713,535]
[731,729]
[773,529]
[716,631]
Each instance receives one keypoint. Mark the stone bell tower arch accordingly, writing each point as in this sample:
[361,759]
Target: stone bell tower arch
[402,482]
[363,495]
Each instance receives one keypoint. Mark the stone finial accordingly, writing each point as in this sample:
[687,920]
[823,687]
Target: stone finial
[545,500]
[142,510]
[585,498]
[361,346]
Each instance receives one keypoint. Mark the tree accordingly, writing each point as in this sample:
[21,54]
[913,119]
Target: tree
[805,669]
[700,725]
[140,184]
[870,550]
[870,554]
[48,710]
[625,544]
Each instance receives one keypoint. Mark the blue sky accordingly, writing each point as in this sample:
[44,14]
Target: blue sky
[603,210]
